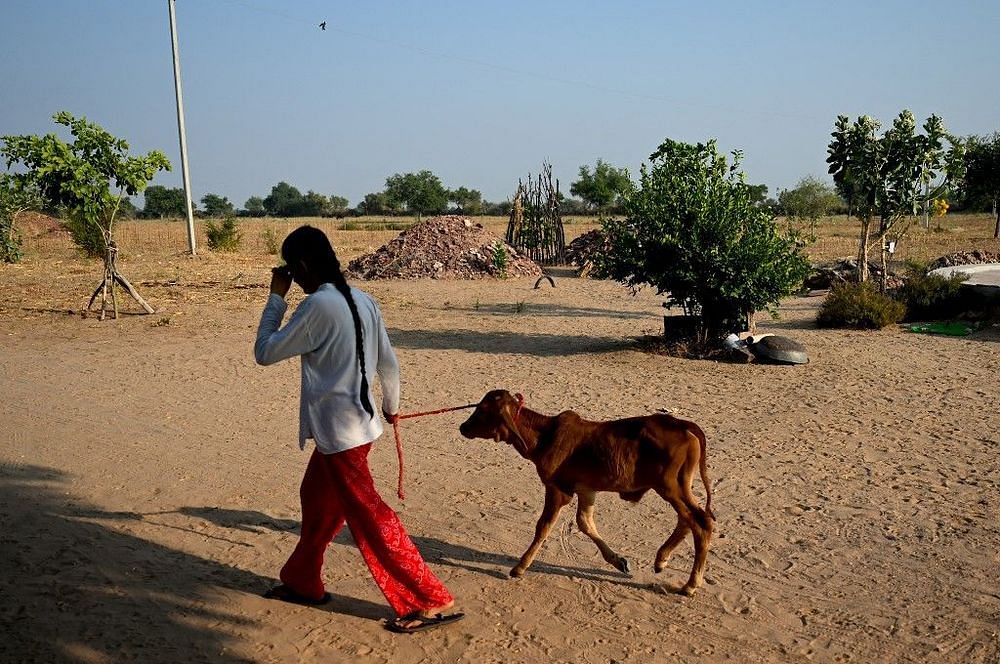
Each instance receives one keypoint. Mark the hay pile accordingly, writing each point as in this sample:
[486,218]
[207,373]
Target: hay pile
[448,247]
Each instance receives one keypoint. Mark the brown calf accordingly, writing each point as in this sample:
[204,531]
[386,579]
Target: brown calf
[629,456]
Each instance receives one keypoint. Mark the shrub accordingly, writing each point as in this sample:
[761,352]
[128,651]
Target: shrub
[500,258]
[270,239]
[931,296]
[224,236]
[860,306]
[88,236]
[10,241]
[16,196]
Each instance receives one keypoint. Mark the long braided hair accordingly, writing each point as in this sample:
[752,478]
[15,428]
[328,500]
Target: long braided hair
[311,246]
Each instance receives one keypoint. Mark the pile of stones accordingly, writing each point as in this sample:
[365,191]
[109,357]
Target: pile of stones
[446,247]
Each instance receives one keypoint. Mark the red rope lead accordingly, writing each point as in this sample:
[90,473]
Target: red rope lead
[438,411]
[399,440]
[399,457]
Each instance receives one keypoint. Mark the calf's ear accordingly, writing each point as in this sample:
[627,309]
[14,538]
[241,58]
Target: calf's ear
[507,415]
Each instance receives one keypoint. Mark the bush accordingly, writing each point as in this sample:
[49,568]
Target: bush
[931,296]
[270,238]
[87,235]
[500,259]
[10,241]
[16,196]
[224,236]
[859,306]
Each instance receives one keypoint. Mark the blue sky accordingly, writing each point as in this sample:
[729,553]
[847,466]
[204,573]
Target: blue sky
[481,93]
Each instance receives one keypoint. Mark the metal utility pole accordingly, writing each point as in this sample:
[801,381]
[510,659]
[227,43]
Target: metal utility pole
[180,126]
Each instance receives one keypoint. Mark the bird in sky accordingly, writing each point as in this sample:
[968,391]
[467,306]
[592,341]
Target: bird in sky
[322,26]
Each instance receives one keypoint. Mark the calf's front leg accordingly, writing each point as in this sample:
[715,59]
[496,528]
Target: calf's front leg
[555,500]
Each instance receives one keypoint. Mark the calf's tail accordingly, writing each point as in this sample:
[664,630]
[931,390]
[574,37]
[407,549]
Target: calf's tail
[703,467]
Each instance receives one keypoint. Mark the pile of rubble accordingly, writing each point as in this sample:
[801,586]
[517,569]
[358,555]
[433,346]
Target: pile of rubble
[975,257]
[583,251]
[826,275]
[36,224]
[447,247]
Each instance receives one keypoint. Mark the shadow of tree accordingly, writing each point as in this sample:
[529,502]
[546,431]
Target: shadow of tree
[77,589]
[556,311]
[477,341]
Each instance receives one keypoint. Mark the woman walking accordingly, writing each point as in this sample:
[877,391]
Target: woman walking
[339,333]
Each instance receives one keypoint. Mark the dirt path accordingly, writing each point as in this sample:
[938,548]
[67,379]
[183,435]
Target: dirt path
[148,488]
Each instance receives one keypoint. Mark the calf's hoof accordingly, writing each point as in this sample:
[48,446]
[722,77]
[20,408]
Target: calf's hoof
[624,567]
[687,590]
[659,567]
[517,572]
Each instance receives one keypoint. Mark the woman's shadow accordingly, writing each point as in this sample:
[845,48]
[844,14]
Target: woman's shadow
[433,550]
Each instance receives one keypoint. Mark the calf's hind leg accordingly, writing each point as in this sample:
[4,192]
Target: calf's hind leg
[691,516]
[663,555]
[585,521]
[555,500]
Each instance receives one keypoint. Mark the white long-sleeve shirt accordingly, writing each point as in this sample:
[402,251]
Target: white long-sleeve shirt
[321,330]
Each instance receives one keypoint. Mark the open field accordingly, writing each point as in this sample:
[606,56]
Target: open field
[149,473]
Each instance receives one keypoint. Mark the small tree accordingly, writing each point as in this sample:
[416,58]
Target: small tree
[89,177]
[887,178]
[692,230]
[224,235]
[982,177]
[809,200]
[17,195]
[603,188]
[421,193]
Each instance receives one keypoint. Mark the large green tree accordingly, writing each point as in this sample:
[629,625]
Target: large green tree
[214,205]
[338,206]
[312,205]
[982,176]
[89,177]
[467,201]
[420,193]
[603,187]
[374,203]
[692,229]
[283,201]
[254,207]
[886,178]
[162,202]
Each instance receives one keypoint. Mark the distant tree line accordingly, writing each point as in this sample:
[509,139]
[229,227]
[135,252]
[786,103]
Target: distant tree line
[600,190]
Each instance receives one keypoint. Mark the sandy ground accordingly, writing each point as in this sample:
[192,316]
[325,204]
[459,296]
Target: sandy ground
[149,475]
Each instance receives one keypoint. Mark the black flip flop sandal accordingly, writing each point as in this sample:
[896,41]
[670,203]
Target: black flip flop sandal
[425,622]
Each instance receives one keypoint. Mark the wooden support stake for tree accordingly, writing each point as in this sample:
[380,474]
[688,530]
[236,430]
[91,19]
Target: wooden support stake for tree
[112,277]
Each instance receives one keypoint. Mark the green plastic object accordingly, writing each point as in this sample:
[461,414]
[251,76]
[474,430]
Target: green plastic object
[951,329]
